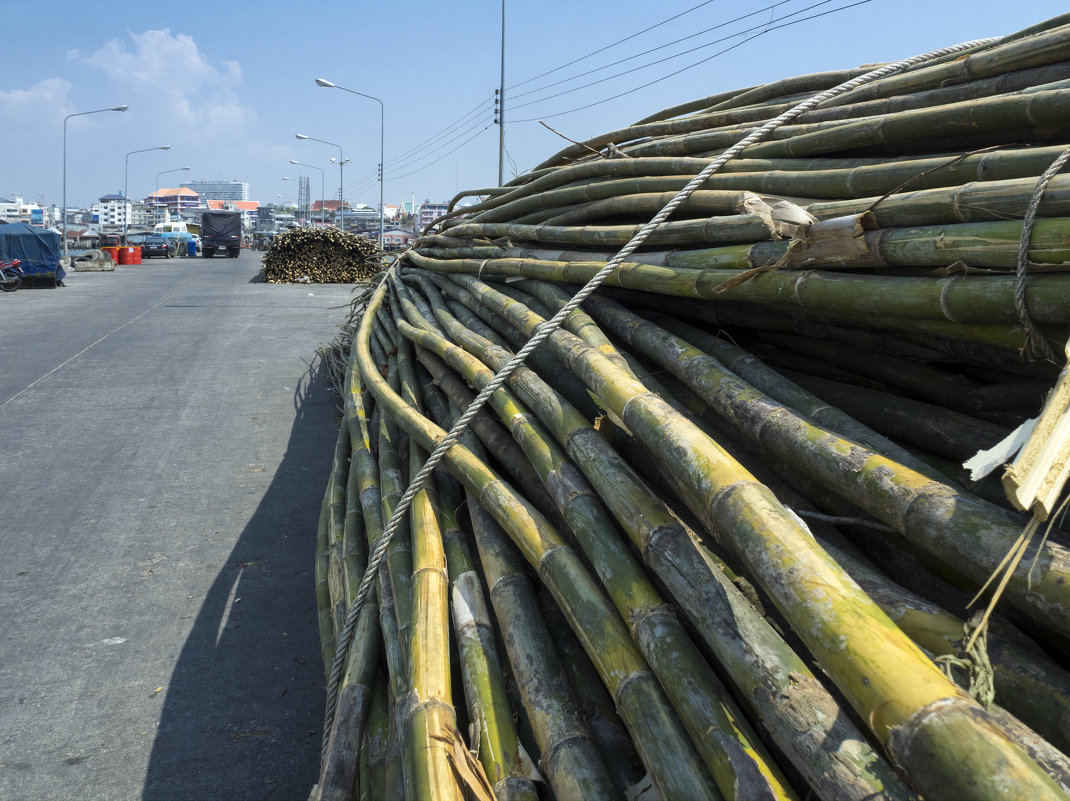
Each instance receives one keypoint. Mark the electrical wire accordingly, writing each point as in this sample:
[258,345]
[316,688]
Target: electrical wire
[482,107]
[436,161]
[614,44]
[673,74]
[404,164]
[670,44]
[763,28]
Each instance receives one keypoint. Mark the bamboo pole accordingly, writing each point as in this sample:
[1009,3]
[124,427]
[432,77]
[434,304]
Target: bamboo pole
[931,712]
[664,747]
[728,746]
[776,684]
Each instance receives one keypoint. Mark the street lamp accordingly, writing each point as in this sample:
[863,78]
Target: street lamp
[341,164]
[341,160]
[156,194]
[126,172]
[323,220]
[63,211]
[382,167]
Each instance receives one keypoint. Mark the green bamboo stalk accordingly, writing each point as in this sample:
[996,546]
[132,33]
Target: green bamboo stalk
[868,665]
[428,710]
[465,308]
[831,178]
[984,346]
[774,384]
[921,380]
[337,580]
[499,750]
[570,761]
[399,552]
[935,428]
[1027,682]
[774,682]
[342,755]
[503,748]
[1032,117]
[728,746]
[1013,53]
[324,611]
[430,715]
[664,746]
[376,744]
[957,528]
[984,299]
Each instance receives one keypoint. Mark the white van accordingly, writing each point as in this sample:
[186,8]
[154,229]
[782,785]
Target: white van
[170,228]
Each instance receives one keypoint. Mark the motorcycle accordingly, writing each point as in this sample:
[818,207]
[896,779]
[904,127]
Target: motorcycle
[10,275]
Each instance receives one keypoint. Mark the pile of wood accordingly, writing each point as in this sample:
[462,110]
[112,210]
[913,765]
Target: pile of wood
[714,538]
[322,256]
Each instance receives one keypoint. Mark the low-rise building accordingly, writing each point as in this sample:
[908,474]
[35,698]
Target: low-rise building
[397,238]
[173,202]
[17,210]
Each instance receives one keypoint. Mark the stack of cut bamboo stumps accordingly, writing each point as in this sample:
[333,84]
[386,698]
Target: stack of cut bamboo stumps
[714,537]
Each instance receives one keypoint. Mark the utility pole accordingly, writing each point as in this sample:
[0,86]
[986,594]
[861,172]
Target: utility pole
[501,109]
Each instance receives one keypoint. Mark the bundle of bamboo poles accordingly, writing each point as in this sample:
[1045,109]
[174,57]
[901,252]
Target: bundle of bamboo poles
[321,256]
[713,538]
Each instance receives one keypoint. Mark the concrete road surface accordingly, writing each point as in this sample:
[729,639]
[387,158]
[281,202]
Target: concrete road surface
[164,448]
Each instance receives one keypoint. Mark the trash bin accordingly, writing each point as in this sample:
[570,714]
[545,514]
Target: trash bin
[191,248]
[126,255]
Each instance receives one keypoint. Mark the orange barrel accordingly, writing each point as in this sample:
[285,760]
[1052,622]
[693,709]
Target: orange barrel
[126,255]
[113,251]
[136,255]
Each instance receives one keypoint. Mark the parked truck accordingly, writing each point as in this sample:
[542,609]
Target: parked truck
[221,231]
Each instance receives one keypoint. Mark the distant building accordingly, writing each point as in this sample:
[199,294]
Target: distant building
[112,211]
[397,238]
[141,215]
[17,210]
[220,190]
[173,202]
[429,212]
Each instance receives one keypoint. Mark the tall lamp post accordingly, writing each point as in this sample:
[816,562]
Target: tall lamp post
[382,167]
[323,219]
[126,172]
[341,161]
[63,211]
[156,194]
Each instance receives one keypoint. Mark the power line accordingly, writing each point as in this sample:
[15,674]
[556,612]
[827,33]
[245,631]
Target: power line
[669,44]
[436,161]
[408,162]
[482,107]
[689,66]
[614,44]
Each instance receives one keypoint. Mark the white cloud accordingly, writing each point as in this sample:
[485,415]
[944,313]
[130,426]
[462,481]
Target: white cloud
[44,99]
[166,75]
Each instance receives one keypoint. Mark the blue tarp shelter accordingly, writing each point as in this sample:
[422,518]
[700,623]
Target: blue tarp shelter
[36,248]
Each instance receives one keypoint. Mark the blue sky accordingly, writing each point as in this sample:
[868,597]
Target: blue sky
[227,84]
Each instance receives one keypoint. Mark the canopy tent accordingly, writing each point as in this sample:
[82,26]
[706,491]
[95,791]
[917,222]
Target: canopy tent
[36,249]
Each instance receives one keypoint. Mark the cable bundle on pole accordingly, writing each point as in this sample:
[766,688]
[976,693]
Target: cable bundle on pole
[705,529]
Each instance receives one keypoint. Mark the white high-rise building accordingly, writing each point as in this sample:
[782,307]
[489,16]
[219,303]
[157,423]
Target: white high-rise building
[113,211]
[219,190]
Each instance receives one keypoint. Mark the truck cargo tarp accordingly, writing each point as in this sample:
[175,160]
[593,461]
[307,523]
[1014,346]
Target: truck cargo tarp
[36,249]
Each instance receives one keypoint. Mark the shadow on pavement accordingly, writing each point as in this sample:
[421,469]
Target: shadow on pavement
[244,708]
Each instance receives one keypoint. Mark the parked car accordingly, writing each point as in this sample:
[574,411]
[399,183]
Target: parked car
[153,245]
[197,239]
